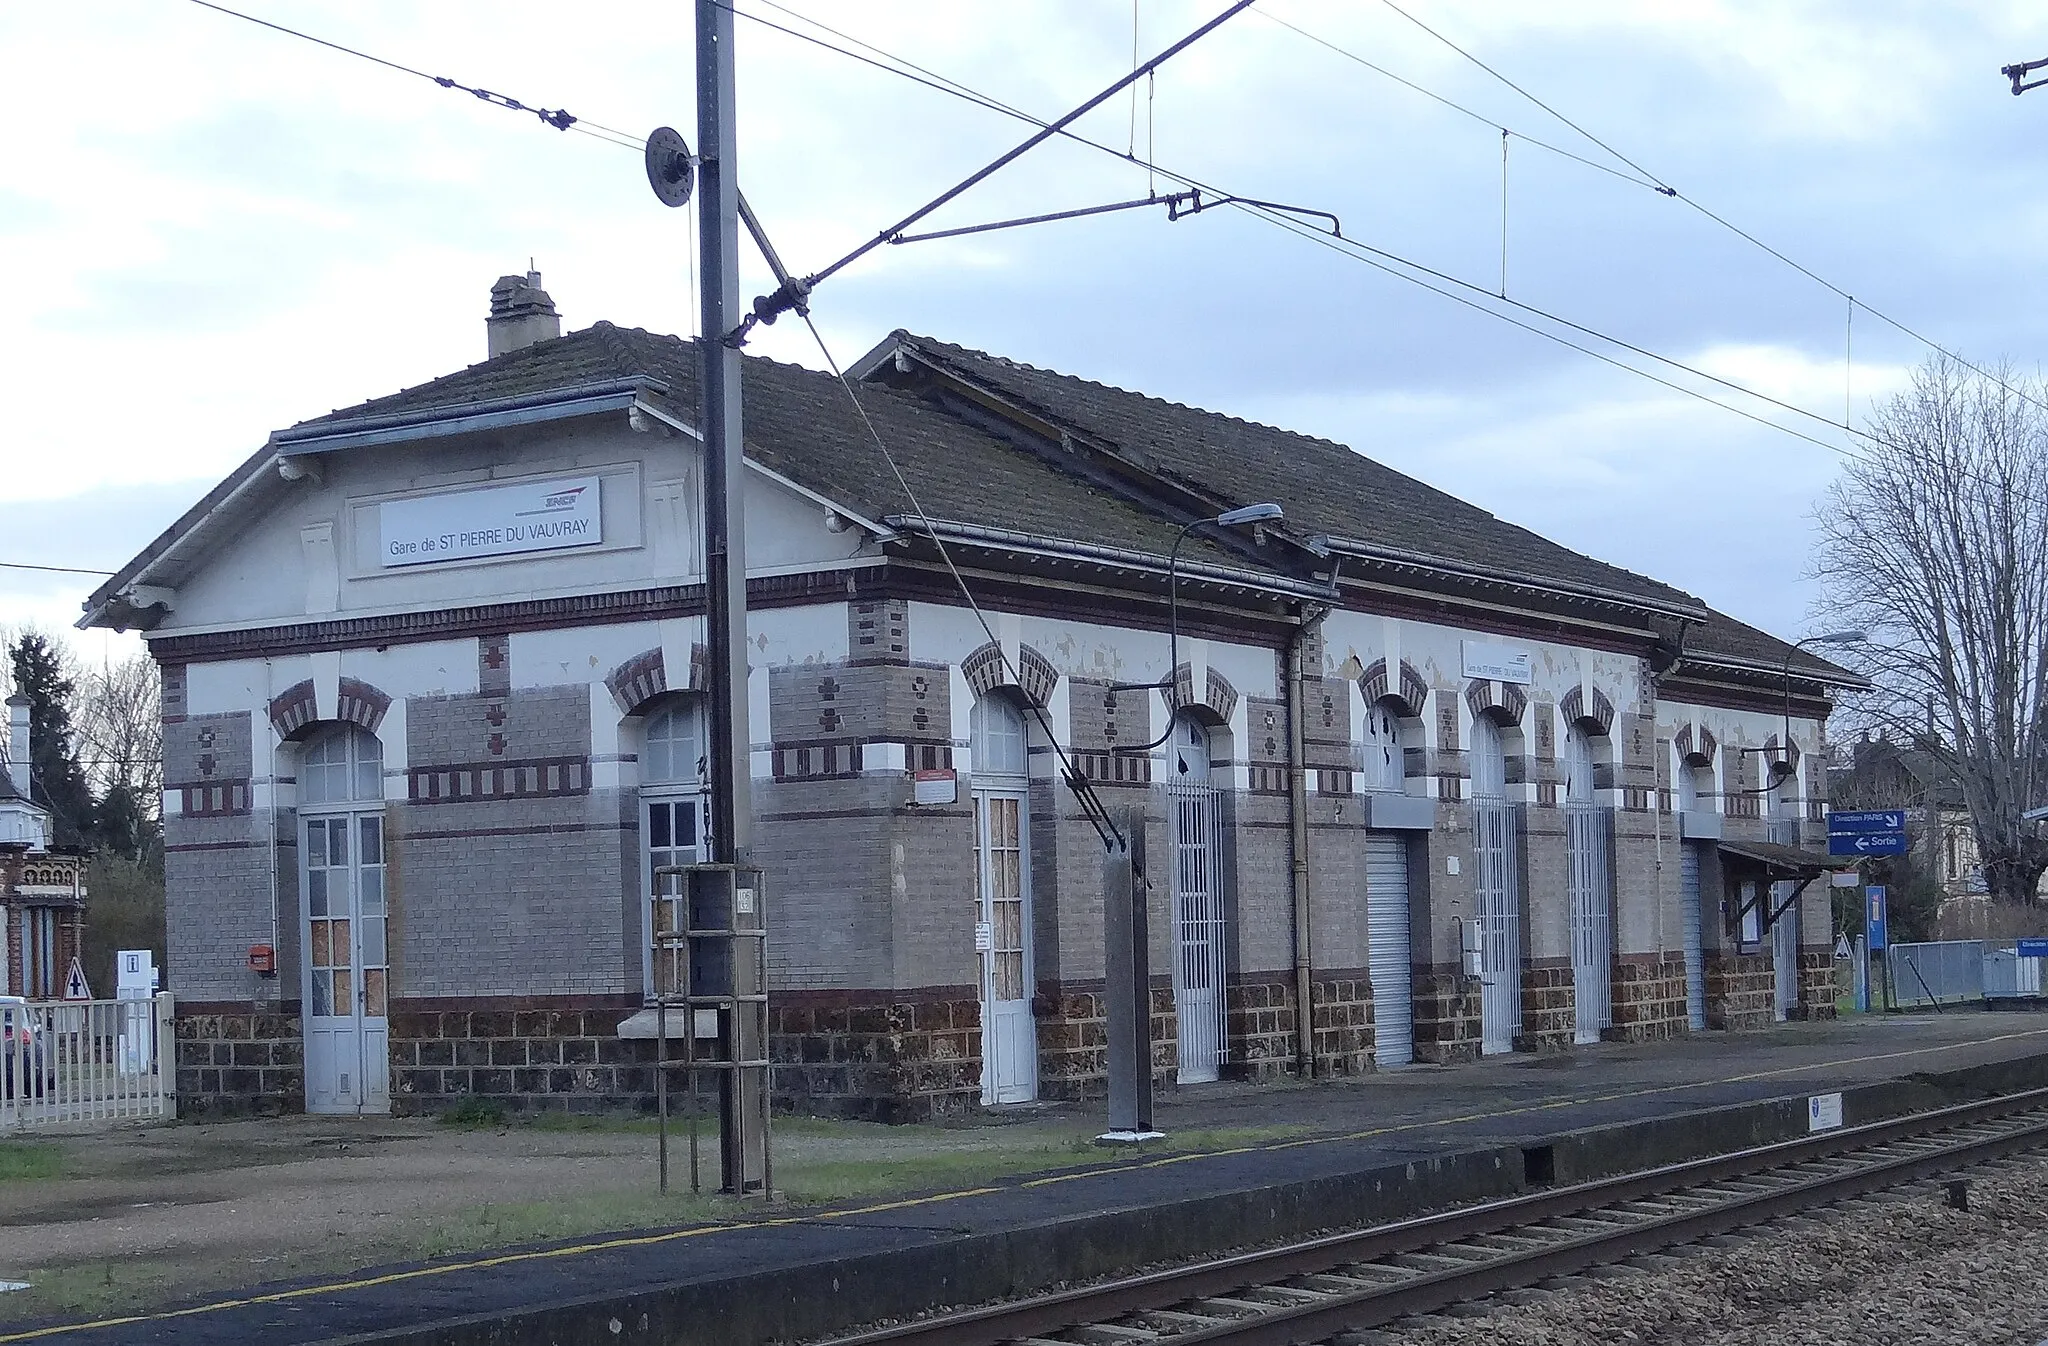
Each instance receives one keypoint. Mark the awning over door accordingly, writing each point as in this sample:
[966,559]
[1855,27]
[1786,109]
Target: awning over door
[1769,863]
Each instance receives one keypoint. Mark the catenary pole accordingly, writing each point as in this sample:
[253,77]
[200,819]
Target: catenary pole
[743,1115]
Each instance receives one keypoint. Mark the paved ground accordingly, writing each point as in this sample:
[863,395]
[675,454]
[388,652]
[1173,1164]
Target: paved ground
[146,1216]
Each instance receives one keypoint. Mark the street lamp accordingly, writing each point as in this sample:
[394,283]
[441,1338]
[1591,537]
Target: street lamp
[1851,637]
[1264,512]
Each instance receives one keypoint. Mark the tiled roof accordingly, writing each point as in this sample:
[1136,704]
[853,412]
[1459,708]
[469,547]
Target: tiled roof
[800,423]
[1325,487]
[1329,488]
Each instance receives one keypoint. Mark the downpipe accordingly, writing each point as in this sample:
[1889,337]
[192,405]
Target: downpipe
[1297,820]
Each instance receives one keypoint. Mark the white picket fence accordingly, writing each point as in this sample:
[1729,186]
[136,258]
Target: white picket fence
[86,1061]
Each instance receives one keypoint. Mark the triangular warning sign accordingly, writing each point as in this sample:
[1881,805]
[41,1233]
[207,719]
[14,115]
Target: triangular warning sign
[74,983]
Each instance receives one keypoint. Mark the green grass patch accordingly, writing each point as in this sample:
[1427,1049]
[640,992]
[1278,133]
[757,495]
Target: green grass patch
[474,1112]
[30,1160]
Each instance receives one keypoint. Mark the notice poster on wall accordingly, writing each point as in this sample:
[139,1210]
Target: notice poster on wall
[494,521]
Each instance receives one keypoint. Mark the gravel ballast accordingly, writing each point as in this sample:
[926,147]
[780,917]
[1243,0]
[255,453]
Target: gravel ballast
[1902,1269]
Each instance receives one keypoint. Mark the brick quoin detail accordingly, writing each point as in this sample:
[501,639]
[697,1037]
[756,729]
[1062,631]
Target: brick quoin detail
[293,709]
[985,670]
[361,704]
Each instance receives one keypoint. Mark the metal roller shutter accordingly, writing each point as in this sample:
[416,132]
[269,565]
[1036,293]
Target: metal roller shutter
[1695,944]
[1387,955]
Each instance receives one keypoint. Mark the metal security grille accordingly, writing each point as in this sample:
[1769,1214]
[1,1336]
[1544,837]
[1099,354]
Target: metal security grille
[1695,943]
[1587,863]
[1198,930]
[1500,925]
[1387,953]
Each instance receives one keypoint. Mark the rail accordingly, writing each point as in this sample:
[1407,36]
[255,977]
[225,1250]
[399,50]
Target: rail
[1357,1280]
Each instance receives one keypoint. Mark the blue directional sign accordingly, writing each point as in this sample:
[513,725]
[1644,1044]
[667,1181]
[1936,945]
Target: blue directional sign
[1871,832]
[1866,843]
[2032,948]
[1874,918]
[1872,820]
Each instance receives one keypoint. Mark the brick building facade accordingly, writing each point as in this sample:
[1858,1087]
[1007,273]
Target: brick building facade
[429,750]
[42,891]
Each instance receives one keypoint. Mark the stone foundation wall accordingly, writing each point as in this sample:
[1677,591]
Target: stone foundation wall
[239,1061]
[1446,1015]
[1344,1042]
[1073,1042]
[913,1060]
[1649,998]
[1740,990]
[1817,983]
[1258,1025]
[1549,1006]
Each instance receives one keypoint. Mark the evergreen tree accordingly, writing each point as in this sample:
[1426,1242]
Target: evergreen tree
[56,779]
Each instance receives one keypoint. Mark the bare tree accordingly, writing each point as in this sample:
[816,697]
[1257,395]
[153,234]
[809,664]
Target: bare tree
[120,727]
[1935,541]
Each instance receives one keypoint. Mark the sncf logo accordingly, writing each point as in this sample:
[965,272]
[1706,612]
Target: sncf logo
[564,499]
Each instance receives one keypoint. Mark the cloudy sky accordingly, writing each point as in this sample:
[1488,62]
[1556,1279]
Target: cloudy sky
[212,230]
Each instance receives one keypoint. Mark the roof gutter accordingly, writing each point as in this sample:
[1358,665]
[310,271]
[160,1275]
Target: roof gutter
[499,414]
[1561,588]
[1010,540]
[1835,677]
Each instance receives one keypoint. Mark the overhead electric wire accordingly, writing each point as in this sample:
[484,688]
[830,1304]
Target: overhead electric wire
[1392,263]
[55,570]
[1480,117]
[1664,188]
[559,118]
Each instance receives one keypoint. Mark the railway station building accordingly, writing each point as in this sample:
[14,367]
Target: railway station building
[432,669]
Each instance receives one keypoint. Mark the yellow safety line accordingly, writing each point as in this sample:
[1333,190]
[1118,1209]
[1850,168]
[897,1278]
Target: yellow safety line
[674,1235]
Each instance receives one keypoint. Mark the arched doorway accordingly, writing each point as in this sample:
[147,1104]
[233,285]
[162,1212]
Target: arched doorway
[672,806]
[1498,898]
[344,976]
[1389,960]
[1002,853]
[1586,879]
[1198,920]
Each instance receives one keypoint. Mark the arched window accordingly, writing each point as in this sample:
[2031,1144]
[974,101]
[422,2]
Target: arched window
[342,765]
[673,749]
[1383,766]
[1489,761]
[1578,766]
[1000,745]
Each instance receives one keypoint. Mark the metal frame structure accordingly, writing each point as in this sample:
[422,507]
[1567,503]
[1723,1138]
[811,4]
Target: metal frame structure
[702,967]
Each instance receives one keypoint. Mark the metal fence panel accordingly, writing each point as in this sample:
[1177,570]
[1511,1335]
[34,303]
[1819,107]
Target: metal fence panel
[1946,973]
[84,1061]
[2007,976]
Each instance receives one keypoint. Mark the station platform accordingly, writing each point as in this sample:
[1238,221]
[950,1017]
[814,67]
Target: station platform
[1381,1147]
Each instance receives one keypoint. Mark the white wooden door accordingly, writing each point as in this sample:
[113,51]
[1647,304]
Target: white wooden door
[1387,950]
[345,970]
[1198,928]
[1009,1039]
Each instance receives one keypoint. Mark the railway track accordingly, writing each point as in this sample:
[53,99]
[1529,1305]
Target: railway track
[1309,1291]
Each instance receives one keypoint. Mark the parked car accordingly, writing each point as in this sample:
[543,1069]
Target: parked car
[21,1049]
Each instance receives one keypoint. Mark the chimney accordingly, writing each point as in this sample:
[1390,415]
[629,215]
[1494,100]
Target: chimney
[17,744]
[521,314]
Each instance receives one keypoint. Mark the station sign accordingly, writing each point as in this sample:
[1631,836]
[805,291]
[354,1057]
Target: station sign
[495,521]
[2032,948]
